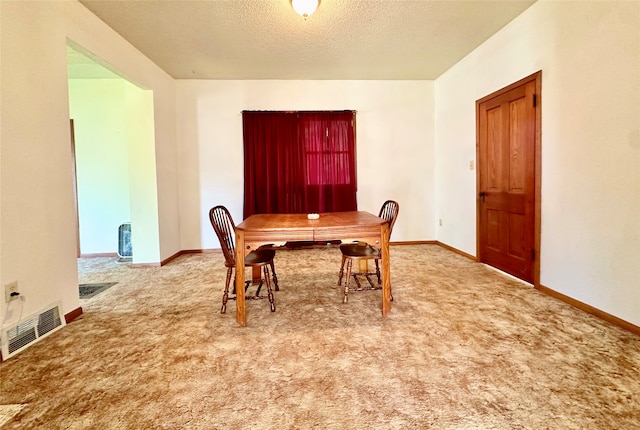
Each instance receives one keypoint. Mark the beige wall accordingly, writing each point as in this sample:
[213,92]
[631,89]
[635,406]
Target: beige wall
[38,247]
[394,143]
[589,54]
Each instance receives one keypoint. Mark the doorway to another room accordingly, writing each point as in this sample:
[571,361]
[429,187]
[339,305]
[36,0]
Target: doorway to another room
[113,153]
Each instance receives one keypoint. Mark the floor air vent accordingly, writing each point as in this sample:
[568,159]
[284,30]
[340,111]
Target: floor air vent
[32,329]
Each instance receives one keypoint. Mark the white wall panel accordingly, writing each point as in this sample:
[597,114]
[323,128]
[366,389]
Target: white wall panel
[394,145]
[589,54]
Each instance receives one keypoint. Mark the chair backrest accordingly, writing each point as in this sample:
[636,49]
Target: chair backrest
[225,229]
[389,212]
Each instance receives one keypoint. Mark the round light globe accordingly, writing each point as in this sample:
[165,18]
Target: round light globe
[305,7]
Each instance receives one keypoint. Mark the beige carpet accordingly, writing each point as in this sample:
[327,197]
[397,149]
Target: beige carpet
[464,347]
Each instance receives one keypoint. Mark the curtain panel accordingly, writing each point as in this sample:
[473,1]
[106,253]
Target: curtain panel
[299,162]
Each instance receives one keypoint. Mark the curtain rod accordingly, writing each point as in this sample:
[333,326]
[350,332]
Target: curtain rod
[299,111]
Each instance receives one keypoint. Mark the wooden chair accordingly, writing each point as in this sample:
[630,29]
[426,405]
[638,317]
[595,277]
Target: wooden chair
[362,251]
[224,227]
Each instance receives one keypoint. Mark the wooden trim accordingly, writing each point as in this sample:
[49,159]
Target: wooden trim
[625,325]
[538,181]
[414,242]
[218,250]
[188,251]
[199,251]
[139,265]
[457,251]
[478,228]
[590,310]
[71,316]
[173,257]
[98,255]
[508,88]
[74,175]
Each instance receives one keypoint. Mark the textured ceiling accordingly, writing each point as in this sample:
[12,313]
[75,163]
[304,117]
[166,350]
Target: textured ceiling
[343,39]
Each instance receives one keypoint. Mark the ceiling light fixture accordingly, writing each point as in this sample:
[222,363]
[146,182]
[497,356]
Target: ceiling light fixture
[305,7]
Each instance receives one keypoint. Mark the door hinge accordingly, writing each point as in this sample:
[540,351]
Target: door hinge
[535,100]
[533,255]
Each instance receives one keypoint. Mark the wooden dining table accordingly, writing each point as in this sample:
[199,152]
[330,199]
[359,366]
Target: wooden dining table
[277,229]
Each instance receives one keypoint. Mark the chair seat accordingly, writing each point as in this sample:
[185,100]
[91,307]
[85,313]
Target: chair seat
[259,256]
[354,250]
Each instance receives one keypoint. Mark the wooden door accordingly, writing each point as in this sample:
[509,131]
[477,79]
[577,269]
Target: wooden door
[508,179]
[74,175]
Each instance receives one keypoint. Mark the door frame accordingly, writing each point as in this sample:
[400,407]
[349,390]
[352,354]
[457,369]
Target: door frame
[74,174]
[537,77]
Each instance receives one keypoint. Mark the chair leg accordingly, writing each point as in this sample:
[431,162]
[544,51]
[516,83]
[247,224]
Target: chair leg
[269,290]
[345,299]
[341,271]
[358,285]
[259,288]
[371,286]
[225,295]
[275,277]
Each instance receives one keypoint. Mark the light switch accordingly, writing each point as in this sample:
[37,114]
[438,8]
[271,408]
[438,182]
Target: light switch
[471,165]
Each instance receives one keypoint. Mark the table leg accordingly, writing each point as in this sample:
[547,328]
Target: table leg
[241,315]
[386,277]
[256,274]
[363,266]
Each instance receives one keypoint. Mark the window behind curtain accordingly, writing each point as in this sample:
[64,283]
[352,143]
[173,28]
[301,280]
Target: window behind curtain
[299,162]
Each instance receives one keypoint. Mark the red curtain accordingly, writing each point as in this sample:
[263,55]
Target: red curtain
[299,162]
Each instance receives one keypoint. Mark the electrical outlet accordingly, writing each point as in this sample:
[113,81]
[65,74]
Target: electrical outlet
[10,288]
